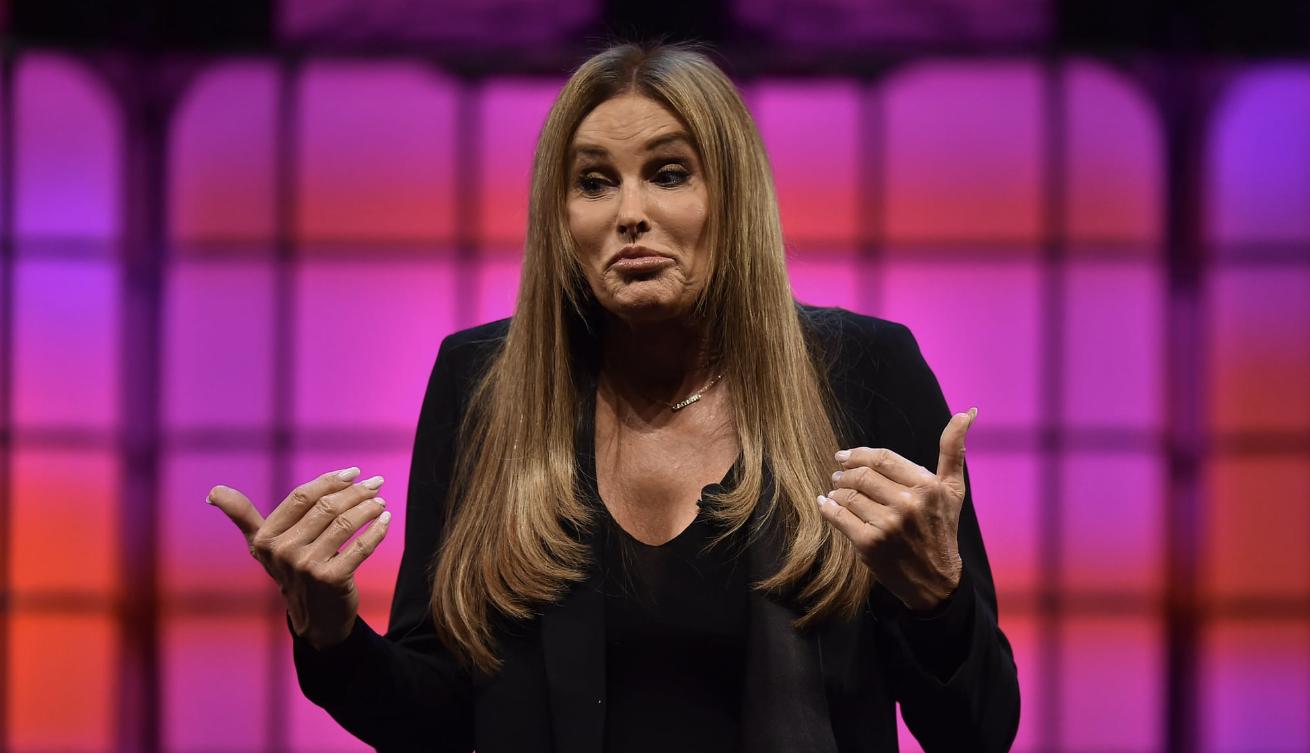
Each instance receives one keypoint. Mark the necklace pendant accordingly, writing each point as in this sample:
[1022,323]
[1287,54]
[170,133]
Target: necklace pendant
[685,403]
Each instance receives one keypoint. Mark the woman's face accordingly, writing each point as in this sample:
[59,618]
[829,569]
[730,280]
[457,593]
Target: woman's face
[637,208]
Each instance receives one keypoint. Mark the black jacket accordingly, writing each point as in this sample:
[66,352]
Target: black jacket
[830,689]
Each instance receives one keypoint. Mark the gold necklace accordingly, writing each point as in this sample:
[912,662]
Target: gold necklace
[694,398]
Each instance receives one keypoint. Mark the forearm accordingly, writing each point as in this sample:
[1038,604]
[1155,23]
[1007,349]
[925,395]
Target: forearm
[391,696]
[957,682]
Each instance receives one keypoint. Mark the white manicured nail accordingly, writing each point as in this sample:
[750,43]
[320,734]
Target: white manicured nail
[374,483]
[350,474]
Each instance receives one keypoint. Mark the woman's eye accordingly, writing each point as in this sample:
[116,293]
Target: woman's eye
[672,176]
[591,184]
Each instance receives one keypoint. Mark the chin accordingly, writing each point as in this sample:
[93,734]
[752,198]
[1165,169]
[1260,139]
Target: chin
[646,309]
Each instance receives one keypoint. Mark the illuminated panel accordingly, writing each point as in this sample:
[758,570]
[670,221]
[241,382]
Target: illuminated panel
[907,742]
[367,337]
[221,171]
[201,550]
[1256,688]
[64,527]
[215,672]
[68,143]
[1259,358]
[964,152]
[1113,345]
[218,344]
[1111,539]
[498,285]
[1111,678]
[512,113]
[811,130]
[1005,496]
[827,280]
[377,153]
[1023,634]
[1115,158]
[376,577]
[66,339]
[1255,527]
[61,672]
[1259,157]
[311,729]
[977,325]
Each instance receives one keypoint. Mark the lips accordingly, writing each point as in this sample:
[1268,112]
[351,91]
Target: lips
[639,259]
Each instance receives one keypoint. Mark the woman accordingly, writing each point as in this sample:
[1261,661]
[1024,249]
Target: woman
[613,540]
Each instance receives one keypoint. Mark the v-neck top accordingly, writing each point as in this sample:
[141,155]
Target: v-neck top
[675,630]
[675,634]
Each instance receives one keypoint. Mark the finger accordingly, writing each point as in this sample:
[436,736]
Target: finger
[304,496]
[870,511]
[861,534]
[238,508]
[886,462]
[322,515]
[359,550]
[872,484]
[345,525]
[950,463]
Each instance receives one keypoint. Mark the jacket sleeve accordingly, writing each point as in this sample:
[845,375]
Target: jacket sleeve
[953,671]
[405,691]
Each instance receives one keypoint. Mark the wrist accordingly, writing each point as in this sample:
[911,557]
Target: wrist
[937,594]
[321,639]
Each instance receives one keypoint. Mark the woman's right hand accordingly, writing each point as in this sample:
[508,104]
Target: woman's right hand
[299,544]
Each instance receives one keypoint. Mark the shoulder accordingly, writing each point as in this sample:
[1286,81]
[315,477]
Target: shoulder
[848,339]
[461,363]
[884,391]
[465,355]
[475,342]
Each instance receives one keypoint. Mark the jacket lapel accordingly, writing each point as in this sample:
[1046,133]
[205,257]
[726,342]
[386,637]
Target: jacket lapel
[784,704]
[573,643]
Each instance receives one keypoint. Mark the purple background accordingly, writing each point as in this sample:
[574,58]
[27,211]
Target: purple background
[326,225]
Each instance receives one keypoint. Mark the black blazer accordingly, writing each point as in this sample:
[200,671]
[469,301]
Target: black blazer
[825,690]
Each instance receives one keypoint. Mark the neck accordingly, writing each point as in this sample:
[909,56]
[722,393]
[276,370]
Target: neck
[659,361]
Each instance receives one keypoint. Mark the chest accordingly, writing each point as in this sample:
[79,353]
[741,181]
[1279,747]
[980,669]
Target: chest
[650,473]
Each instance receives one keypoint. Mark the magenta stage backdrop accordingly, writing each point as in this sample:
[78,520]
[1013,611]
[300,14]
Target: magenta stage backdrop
[327,228]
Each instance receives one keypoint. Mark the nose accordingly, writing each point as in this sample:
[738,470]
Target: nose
[632,222]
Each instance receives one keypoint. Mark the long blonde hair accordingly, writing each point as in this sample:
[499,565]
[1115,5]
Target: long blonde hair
[515,547]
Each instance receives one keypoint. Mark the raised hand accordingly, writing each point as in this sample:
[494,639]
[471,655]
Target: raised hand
[903,518]
[299,544]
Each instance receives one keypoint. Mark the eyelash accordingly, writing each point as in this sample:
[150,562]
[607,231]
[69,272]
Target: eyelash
[591,184]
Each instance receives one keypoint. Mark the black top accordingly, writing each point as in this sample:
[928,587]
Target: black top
[675,629]
[830,689]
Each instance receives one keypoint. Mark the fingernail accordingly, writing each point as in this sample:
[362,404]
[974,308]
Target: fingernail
[350,474]
[843,456]
[836,476]
[374,483]
[973,414]
[381,502]
[385,517]
[822,500]
[830,493]
[208,501]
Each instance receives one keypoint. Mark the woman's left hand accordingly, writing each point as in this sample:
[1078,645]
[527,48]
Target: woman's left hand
[903,518]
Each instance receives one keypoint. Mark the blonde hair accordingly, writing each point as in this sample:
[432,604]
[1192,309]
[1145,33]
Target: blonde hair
[515,548]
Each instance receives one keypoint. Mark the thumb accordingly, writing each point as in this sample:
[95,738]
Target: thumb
[950,463]
[238,508]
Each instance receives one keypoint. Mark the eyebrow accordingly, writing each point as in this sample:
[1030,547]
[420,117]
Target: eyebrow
[668,139]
